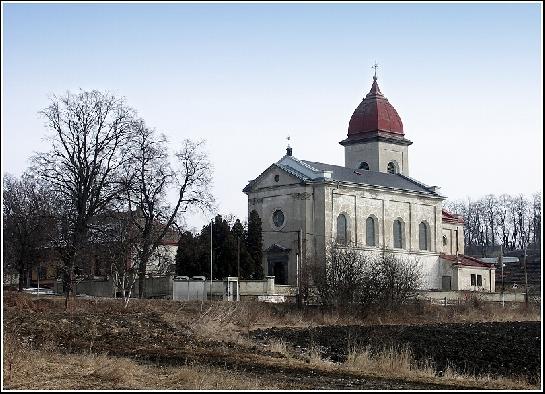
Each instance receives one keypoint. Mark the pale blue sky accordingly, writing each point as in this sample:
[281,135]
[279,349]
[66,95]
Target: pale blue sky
[465,78]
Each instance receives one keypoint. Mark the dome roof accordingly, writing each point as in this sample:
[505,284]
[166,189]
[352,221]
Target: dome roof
[375,113]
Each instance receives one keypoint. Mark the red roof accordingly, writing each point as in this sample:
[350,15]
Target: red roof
[466,261]
[452,218]
[375,113]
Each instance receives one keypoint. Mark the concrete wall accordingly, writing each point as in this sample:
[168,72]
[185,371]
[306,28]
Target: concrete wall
[185,290]
[377,154]
[451,297]
[464,279]
[155,287]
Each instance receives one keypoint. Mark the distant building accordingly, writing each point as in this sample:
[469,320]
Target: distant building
[105,238]
[370,204]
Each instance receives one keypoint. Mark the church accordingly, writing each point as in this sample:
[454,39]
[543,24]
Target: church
[371,204]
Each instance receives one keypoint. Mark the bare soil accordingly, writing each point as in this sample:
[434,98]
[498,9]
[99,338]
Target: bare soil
[166,333]
[510,349]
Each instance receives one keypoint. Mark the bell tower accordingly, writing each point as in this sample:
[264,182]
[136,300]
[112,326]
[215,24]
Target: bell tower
[376,140]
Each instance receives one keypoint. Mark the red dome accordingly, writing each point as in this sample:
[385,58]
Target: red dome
[375,113]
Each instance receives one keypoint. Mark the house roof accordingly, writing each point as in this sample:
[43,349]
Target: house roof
[467,261]
[452,218]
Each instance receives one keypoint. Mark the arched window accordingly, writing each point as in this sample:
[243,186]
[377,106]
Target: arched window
[392,167]
[398,234]
[423,233]
[341,230]
[364,166]
[370,231]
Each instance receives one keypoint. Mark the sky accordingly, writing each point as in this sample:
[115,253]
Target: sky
[466,79]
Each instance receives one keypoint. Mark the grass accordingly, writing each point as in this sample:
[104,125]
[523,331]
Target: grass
[25,367]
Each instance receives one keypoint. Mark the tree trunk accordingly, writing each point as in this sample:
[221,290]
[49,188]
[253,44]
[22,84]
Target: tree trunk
[22,276]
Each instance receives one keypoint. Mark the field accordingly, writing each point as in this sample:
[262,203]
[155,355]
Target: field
[160,344]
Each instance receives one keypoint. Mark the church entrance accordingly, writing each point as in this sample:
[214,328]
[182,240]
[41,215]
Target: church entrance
[279,269]
[277,263]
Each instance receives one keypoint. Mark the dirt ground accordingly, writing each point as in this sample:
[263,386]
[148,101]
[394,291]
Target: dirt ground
[166,334]
[498,348]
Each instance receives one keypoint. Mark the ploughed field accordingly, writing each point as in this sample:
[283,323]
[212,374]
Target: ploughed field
[226,337]
[510,349]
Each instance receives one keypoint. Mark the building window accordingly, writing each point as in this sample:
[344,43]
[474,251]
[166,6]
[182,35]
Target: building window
[341,230]
[473,280]
[398,234]
[363,166]
[444,240]
[278,218]
[392,167]
[479,280]
[370,231]
[276,178]
[423,233]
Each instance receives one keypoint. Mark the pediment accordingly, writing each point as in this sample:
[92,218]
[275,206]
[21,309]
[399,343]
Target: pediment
[275,248]
[273,176]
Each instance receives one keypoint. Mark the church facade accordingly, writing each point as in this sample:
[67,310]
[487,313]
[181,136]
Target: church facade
[370,204]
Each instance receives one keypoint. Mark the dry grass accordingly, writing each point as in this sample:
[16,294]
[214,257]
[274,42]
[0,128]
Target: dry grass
[400,363]
[25,368]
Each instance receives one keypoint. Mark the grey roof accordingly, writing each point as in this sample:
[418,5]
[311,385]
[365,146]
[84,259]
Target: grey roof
[367,177]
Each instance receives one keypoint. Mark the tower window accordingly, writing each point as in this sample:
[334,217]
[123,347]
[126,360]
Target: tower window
[392,167]
[364,166]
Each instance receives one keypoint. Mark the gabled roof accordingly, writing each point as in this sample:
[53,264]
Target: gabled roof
[313,172]
[291,171]
[467,261]
[374,178]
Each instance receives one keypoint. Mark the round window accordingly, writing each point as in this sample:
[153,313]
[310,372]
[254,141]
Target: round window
[276,178]
[278,218]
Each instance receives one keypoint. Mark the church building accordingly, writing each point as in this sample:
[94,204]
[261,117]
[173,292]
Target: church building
[371,204]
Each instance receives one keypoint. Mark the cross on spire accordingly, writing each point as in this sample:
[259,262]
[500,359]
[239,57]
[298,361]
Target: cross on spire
[375,66]
[288,149]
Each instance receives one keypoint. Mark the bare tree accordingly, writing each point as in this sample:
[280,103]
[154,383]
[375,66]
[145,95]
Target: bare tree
[27,224]
[507,220]
[150,179]
[502,219]
[350,277]
[88,133]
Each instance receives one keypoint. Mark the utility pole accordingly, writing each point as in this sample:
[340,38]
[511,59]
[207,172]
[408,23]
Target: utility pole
[299,266]
[500,259]
[211,222]
[525,275]
[238,257]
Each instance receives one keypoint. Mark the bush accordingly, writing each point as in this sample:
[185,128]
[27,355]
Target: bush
[350,277]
